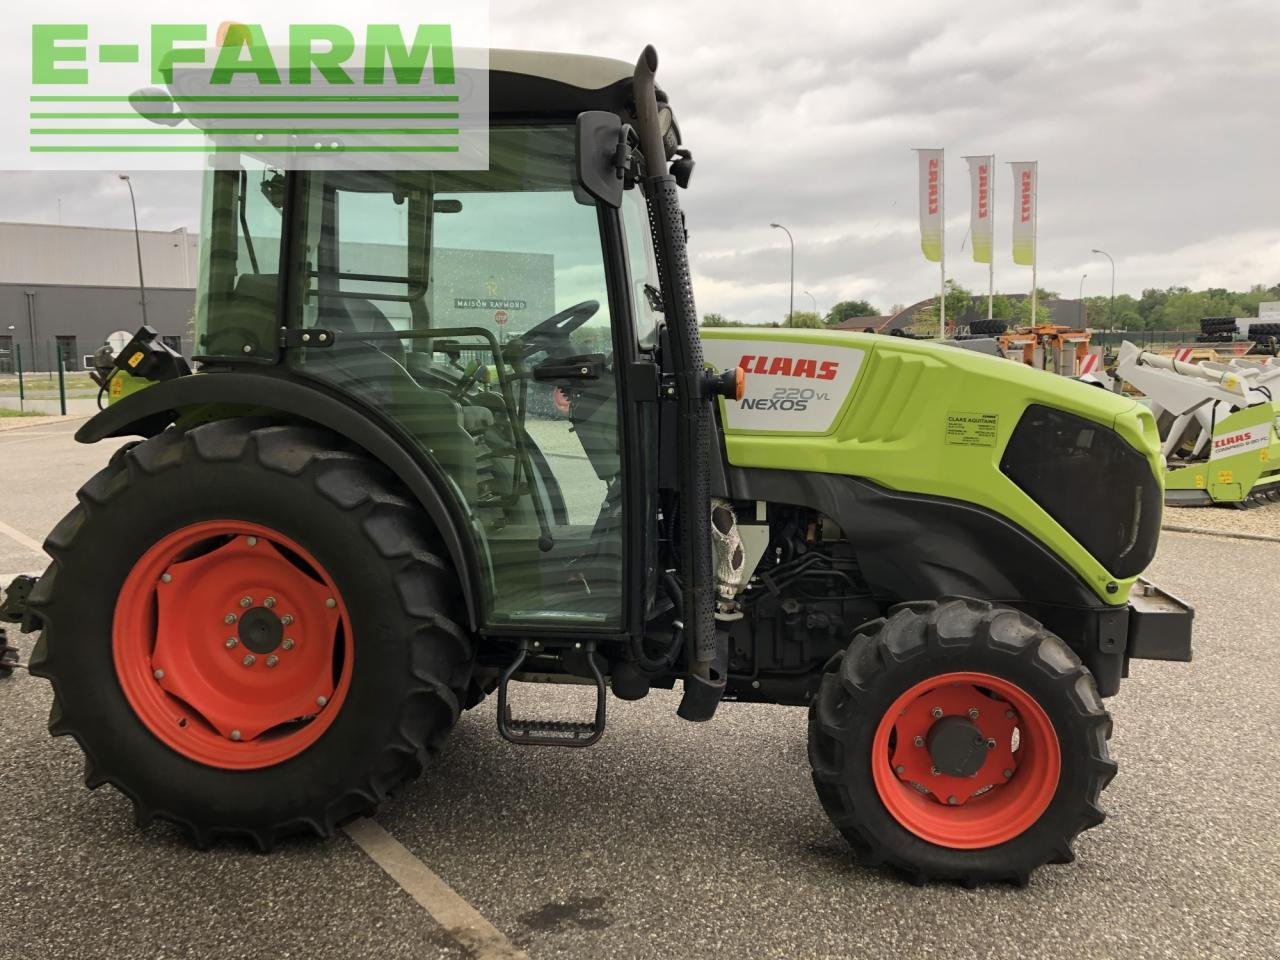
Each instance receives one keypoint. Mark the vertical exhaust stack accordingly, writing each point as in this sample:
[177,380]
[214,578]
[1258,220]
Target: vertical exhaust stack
[704,684]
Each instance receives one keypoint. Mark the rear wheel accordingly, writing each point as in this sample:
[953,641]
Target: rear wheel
[249,631]
[959,740]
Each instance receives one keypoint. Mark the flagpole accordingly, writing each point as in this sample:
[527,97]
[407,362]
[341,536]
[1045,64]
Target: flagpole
[942,232]
[1035,237]
[991,254]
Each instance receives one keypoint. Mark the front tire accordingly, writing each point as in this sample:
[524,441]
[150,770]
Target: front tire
[959,740]
[250,631]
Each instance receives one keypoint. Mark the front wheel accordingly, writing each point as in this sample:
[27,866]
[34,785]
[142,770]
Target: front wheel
[959,740]
[250,631]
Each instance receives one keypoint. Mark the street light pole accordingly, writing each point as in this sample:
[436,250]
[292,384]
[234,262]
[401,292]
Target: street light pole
[1080,299]
[814,300]
[137,241]
[1111,307]
[791,309]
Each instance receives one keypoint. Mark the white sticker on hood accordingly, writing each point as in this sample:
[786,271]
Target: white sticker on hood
[790,387]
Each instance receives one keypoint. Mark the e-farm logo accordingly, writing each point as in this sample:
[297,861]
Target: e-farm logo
[300,94]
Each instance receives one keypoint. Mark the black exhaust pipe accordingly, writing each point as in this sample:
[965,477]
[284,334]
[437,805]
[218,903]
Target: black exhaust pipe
[704,684]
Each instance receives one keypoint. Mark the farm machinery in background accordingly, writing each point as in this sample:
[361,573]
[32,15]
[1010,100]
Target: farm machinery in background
[1218,422]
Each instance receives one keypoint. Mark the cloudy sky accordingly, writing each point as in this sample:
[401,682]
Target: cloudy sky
[1155,124]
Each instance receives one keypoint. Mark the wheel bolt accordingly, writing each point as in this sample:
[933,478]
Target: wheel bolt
[899,770]
[287,644]
[166,578]
[952,801]
[936,712]
[918,741]
[331,603]
[246,601]
[231,643]
[235,734]
[251,541]
[272,660]
[249,660]
[973,713]
[229,618]
[935,771]
[269,602]
[321,701]
[991,743]
[287,619]
[1008,774]
[1008,714]
[159,674]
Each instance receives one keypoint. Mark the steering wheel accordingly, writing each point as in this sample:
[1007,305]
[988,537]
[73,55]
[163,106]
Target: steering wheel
[559,326]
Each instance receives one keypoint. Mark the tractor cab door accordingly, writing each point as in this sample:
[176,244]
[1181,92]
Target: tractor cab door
[481,313]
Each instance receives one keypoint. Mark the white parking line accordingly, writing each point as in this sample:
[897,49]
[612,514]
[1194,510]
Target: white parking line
[18,537]
[460,920]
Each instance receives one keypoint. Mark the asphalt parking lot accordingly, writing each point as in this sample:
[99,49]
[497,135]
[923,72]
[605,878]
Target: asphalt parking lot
[668,839]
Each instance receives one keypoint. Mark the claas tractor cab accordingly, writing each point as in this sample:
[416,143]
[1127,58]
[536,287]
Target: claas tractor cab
[452,431]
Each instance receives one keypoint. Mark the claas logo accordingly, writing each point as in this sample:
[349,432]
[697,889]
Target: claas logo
[1231,440]
[790,367]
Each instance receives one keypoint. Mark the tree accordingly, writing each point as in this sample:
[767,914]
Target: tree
[716,320]
[803,318]
[1002,307]
[847,309]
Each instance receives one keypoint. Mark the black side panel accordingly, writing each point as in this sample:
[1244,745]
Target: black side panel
[152,410]
[912,547]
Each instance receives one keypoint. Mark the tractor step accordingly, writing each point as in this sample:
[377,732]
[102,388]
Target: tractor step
[551,733]
[8,656]
[13,602]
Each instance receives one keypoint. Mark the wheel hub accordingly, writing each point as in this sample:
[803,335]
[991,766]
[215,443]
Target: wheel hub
[954,742]
[220,678]
[957,747]
[260,630]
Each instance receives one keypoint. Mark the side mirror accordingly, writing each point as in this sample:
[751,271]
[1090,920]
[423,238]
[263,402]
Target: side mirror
[600,147]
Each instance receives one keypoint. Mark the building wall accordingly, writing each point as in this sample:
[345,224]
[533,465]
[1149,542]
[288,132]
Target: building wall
[89,314]
[92,256]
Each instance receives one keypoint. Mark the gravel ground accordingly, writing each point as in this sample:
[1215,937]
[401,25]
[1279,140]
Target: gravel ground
[1261,521]
[669,839]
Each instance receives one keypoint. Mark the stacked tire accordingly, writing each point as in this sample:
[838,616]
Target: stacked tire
[1217,330]
[988,328]
[1266,336]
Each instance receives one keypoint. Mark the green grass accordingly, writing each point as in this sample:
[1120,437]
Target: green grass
[41,384]
[6,412]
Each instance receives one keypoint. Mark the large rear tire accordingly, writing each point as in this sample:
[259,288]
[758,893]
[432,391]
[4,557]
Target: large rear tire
[250,631]
[959,740]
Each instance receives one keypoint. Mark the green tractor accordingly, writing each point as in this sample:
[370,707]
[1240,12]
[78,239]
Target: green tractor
[452,431]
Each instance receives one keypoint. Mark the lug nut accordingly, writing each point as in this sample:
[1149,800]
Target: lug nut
[1008,774]
[272,660]
[918,741]
[246,601]
[231,643]
[1008,714]
[952,801]
[166,578]
[269,602]
[159,674]
[288,644]
[251,541]
[249,660]
[973,713]
[899,770]
[229,618]
[991,743]
[235,734]
[287,619]
[321,701]
[935,771]
[936,712]
[331,603]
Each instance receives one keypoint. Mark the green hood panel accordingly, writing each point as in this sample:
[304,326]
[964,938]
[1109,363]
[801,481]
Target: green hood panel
[913,416]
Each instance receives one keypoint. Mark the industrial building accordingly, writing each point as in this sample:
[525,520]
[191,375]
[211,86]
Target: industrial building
[71,287]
